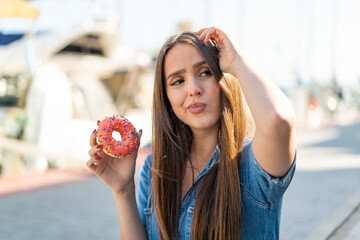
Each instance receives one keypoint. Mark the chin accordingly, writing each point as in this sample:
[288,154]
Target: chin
[204,125]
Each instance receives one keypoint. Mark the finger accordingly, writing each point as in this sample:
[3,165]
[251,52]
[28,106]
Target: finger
[92,164]
[211,31]
[202,35]
[139,139]
[203,32]
[95,150]
[93,139]
[200,31]
[215,39]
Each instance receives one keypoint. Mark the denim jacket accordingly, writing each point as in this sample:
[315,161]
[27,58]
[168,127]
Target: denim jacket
[261,197]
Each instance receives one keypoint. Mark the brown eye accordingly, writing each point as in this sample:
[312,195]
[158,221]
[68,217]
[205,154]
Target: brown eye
[177,82]
[205,73]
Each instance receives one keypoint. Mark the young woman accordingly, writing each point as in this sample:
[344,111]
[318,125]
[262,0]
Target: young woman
[204,178]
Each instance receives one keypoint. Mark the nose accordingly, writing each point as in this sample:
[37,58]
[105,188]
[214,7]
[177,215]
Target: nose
[195,88]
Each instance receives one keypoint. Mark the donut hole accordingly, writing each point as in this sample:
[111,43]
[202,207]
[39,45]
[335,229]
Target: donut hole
[116,135]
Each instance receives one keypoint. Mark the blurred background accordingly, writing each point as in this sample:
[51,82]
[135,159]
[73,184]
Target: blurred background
[66,64]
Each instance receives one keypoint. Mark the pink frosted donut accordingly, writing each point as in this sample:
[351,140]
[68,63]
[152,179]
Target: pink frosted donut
[111,146]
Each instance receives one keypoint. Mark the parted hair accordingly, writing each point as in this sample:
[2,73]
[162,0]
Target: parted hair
[218,209]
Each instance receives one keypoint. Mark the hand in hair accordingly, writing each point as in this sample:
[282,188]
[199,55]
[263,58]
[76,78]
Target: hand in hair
[117,173]
[228,49]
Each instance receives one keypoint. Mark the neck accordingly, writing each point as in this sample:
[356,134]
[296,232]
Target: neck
[204,144]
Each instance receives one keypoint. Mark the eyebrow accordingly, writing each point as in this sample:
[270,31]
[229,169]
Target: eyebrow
[196,65]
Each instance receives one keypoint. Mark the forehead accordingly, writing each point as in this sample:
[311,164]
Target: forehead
[181,56]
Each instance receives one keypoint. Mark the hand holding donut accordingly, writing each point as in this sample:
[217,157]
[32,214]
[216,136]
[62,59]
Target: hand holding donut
[229,51]
[116,171]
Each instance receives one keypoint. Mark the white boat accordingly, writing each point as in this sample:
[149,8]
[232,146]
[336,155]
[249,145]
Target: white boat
[71,80]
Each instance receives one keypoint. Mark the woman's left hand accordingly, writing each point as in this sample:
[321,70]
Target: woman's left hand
[229,51]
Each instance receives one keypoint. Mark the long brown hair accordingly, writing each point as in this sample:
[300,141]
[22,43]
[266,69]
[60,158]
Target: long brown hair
[217,210]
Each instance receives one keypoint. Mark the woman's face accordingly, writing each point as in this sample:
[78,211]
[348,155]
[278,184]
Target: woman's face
[192,90]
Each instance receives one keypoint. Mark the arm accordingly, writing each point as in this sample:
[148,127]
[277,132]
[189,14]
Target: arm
[274,138]
[131,226]
[118,174]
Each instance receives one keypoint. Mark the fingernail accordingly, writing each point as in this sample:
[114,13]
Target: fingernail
[97,158]
[99,146]
[98,122]
[94,131]
[140,131]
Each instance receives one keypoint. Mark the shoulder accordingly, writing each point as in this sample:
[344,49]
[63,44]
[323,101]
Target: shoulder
[145,182]
[255,181]
[247,145]
[144,191]
[148,159]
[146,168]
[246,153]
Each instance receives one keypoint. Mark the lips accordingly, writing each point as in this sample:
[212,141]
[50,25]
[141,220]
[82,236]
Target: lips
[196,107]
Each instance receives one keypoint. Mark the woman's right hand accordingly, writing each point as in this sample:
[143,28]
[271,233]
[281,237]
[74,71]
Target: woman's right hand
[117,173]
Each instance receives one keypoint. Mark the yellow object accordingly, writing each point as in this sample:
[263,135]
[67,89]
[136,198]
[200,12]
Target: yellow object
[17,9]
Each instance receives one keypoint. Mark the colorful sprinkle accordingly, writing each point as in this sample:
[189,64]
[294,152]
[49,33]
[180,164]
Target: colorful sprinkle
[128,135]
